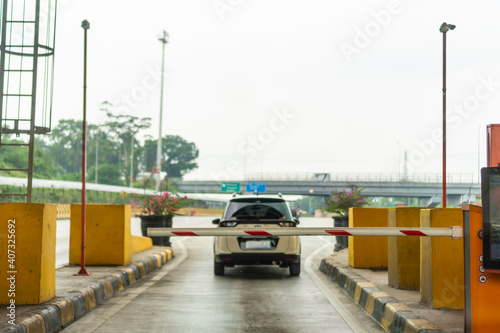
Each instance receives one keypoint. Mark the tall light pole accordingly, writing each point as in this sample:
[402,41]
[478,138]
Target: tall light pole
[96,155]
[399,162]
[164,41]
[83,271]
[444,29]
[132,157]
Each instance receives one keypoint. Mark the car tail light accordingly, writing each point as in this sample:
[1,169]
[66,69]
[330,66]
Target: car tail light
[288,224]
[227,224]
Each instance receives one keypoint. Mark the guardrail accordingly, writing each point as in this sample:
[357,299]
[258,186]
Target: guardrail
[461,178]
[454,232]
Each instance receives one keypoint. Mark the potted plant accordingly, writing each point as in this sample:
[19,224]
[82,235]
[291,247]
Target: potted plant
[157,211]
[339,202]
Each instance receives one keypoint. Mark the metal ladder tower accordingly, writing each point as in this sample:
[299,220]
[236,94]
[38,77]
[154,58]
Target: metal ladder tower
[26,81]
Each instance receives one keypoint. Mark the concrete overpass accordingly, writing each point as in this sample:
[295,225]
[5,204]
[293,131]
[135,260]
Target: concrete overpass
[429,191]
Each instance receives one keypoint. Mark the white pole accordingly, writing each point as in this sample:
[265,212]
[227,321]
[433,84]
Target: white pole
[131,159]
[158,148]
[96,154]
[399,162]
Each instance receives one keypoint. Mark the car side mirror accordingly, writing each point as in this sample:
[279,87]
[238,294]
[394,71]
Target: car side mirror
[297,222]
[216,221]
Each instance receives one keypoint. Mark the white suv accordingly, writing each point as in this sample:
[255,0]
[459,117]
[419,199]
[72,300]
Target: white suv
[257,211]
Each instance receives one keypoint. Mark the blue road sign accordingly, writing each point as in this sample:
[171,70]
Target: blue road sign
[256,187]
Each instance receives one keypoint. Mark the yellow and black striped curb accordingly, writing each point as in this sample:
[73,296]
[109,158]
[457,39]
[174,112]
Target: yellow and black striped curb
[59,312]
[394,316]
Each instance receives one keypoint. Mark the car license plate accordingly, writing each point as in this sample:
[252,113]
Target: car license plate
[258,244]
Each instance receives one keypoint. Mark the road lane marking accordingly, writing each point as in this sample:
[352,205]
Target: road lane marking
[85,327]
[334,301]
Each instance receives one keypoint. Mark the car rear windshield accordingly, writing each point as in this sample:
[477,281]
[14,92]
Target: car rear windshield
[264,208]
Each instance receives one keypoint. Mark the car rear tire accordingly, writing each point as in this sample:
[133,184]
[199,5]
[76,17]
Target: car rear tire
[295,269]
[218,269]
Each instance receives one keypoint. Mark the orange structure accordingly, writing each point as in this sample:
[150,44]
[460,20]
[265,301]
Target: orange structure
[493,143]
[481,304]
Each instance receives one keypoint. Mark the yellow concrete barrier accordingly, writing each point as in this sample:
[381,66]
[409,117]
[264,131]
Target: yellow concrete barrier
[140,243]
[28,253]
[442,261]
[108,240]
[404,252]
[368,252]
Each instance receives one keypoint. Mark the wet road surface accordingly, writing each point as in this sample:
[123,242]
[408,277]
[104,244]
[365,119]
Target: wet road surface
[185,296]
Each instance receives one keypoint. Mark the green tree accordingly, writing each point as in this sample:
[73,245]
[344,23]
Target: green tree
[149,154]
[122,130]
[107,152]
[70,176]
[178,155]
[107,174]
[16,157]
[43,164]
[66,145]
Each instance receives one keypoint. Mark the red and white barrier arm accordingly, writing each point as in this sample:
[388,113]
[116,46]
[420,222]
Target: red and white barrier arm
[453,232]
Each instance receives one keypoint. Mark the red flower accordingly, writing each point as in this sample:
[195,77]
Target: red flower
[160,203]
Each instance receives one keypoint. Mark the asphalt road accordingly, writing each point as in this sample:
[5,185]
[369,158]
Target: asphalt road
[185,296]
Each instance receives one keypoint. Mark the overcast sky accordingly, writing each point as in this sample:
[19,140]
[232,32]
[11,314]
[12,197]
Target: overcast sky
[291,86]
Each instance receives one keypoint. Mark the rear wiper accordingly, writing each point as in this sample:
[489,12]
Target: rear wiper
[247,217]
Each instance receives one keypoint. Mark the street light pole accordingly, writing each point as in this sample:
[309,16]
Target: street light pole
[131,160]
[164,41]
[399,162]
[444,29]
[83,271]
[132,157]
[96,156]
